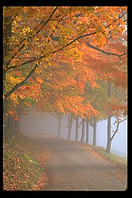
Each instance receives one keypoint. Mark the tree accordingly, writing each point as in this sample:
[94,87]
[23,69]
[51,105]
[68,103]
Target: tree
[87,131]
[109,123]
[70,119]
[39,36]
[59,124]
[77,122]
[119,111]
[29,36]
[94,131]
[83,130]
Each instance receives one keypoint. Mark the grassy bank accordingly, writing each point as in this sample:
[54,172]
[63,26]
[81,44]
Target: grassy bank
[110,156]
[22,168]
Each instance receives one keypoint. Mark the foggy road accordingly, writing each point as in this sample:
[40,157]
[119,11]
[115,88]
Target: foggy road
[71,167]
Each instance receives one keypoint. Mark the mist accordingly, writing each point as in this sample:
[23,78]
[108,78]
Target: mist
[35,121]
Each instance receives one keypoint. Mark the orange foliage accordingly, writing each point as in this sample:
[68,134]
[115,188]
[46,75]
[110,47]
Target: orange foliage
[54,38]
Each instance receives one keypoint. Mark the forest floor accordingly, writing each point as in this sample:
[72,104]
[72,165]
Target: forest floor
[73,166]
[48,163]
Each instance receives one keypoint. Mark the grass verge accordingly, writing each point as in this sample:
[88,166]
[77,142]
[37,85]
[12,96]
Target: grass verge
[109,156]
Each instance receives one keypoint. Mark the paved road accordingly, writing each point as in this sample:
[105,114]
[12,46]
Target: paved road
[71,167]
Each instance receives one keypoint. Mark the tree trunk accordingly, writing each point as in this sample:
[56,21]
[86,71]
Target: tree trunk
[69,126]
[77,122]
[83,130]
[5,119]
[59,124]
[87,131]
[94,131]
[6,36]
[108,147]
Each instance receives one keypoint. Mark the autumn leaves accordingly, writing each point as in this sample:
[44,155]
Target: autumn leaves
[51,52]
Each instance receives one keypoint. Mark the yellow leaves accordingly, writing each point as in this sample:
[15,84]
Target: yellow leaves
[47,59]
[11,79]
[14,98]
[26,30]
[38,70]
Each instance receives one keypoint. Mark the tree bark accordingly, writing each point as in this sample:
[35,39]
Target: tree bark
[5,119]
[6,36]
[69,126]
[94,131]
[87,131]
[59,124]
[83,130]
[77,122]
[108,147]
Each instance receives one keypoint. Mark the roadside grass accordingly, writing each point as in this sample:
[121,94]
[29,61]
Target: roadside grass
[109,156]
[21,169]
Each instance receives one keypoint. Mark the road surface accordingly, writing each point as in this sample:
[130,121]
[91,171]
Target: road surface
[72,168]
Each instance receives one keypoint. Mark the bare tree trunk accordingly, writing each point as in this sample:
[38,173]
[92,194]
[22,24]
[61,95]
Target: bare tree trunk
[94,131]
[108,147]
[77,122]
[69,125]
[87,131]
[83,130]
[59,124]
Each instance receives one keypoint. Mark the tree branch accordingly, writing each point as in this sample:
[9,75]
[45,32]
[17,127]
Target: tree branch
[104,52]
[57,50]
[116,20]
[43,24]
[78,38]
[15,15]
[117,127]
[21,83]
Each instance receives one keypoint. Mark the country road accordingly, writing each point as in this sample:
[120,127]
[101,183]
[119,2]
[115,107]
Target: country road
[71,167]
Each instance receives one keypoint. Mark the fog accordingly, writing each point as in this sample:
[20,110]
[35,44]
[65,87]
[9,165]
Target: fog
[35,121]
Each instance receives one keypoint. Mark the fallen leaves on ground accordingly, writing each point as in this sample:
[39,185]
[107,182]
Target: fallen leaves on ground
[23,165]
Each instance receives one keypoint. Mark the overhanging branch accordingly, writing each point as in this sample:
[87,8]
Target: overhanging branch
[104,52]
[44,23]
[21,83]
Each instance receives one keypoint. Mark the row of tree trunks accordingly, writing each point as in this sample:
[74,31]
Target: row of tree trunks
[84,126]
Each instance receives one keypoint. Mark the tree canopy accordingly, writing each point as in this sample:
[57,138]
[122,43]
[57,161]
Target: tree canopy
[51,52]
